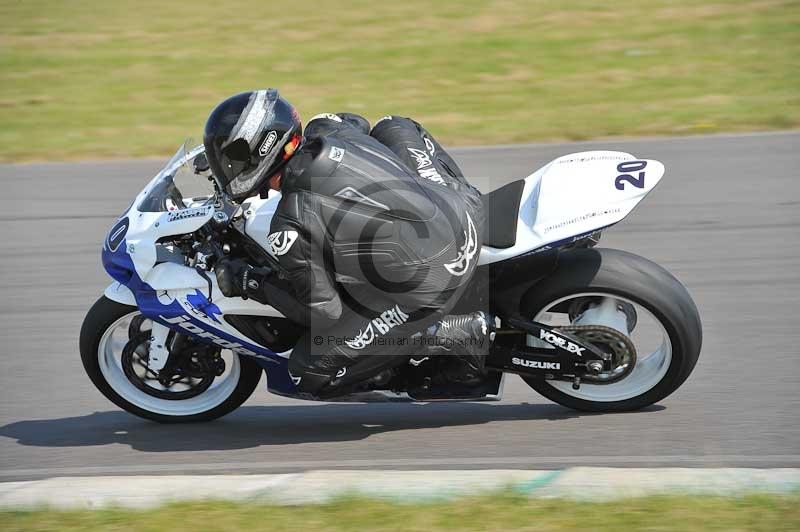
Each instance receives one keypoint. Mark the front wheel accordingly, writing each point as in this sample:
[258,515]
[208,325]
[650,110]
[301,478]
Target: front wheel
[635,296]
[205,386]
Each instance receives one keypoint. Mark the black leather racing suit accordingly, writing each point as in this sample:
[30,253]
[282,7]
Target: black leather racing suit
[377,233]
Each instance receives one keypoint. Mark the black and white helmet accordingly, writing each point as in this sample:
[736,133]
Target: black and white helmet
[248,138]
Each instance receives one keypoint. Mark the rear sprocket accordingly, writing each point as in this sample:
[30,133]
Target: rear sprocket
[608,340]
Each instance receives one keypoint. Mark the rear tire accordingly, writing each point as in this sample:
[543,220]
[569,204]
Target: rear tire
[636,279]
[105,313]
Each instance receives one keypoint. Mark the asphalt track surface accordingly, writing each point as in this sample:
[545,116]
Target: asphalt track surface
[725,220]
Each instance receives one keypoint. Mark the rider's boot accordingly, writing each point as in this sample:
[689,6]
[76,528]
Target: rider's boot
[467,338]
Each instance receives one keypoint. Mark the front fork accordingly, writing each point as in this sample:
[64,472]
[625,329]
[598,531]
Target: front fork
[159,352]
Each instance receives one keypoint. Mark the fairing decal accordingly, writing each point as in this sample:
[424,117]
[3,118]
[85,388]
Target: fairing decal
[165,309]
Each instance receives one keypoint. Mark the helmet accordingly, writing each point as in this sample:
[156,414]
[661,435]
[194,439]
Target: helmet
[248,138]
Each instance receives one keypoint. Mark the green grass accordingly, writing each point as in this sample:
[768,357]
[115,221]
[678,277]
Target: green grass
[99,78]
[502,512]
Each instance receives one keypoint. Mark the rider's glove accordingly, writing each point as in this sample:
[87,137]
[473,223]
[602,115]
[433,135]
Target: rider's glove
[236,278]
[228,272]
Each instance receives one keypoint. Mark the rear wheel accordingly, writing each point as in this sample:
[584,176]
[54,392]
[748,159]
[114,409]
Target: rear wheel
[635,296]
[204,384]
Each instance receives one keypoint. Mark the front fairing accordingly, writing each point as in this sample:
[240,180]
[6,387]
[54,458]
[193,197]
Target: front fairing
[170,291]
[174,202]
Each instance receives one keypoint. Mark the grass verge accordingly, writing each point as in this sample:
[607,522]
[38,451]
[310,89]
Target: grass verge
[501,512]
[92,78]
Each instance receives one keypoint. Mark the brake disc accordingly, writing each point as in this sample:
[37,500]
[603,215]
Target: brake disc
[135,354]
[611,341]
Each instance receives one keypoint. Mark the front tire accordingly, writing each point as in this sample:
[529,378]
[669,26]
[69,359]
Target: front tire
[630,280]
[101,364]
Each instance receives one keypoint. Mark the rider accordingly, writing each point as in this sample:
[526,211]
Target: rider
[374,239]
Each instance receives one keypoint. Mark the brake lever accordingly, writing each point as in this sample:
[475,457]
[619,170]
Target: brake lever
[203,273]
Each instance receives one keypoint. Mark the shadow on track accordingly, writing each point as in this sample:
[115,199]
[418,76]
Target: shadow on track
[271,425]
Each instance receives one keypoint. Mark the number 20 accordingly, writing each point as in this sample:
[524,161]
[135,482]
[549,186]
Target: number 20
[628,167]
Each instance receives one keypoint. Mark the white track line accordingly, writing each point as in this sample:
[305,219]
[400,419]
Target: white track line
[429,463]
[580,483]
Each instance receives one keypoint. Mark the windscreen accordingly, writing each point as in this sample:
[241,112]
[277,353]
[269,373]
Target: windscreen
[178,185]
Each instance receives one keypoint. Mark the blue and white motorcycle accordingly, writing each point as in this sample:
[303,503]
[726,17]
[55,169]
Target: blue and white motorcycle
[592,329]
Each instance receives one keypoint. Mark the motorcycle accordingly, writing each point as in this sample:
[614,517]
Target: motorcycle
[593,329]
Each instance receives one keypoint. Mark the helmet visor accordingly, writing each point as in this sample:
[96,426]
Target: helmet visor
[247,170]
[237,159]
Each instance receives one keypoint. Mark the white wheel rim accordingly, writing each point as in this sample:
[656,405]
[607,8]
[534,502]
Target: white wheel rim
[652,363]
[109,358]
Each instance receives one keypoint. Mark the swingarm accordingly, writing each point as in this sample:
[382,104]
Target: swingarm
[567,356]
